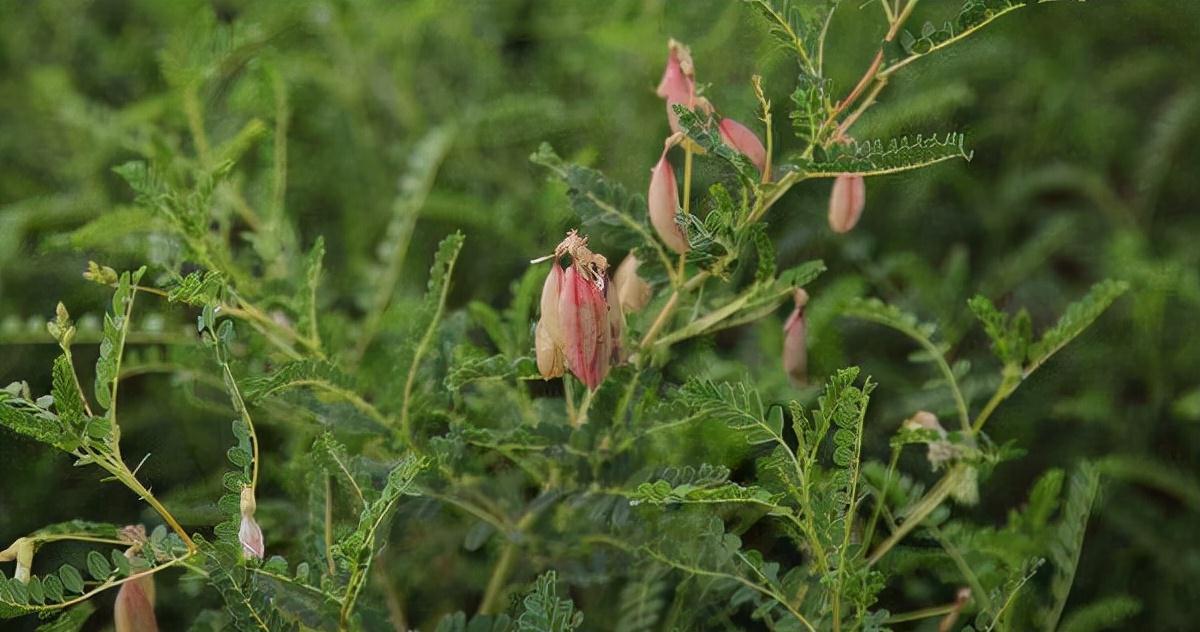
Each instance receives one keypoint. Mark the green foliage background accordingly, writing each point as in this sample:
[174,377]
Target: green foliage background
[1084,120]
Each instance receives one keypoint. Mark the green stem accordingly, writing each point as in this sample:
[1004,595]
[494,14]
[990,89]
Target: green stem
[499,576]
[133,484]
[923,613]
[964,568]
[418,354]
[881,501]
[508,555]
[920,511]
[1007,385]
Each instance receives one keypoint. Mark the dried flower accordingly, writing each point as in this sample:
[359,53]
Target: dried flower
[846,202]
[740,138]
[631,290]
[678,83]
[134,608]
[548,339]
[795,345]
[249,533]
[940,450]
[663,203]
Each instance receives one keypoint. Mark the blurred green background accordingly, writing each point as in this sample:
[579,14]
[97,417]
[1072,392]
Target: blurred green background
[1084,120]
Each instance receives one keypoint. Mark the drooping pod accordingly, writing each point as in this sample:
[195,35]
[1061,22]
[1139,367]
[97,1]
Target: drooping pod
[587,336]
[632,291]
[678,83]
[548,339]
[249,533]
[846,201]
[742,139]
[795,341]
[662,201]
[133,611]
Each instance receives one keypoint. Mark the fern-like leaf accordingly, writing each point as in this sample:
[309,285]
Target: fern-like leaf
[1078,316]
[879,157]
[1065,548]
[545,611]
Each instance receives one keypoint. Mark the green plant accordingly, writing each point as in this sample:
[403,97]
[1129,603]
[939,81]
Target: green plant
[388,405]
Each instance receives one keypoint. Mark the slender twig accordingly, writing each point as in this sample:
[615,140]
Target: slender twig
[1007,385]
[881,500]
[963,567]
[329,525]
[923,613]
[503,566]
[920,511]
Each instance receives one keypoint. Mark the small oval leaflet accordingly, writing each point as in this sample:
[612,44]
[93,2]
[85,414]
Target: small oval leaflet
[36,592]
[97,566]
[71,579]
[120,562]
[53,588]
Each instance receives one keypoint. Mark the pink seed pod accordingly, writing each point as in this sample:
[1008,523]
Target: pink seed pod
[548,339]
[249,533]
[678,83]
[632,291]
[663,203]
[581,319]
[739,138]
[133,610]
[846,202]
[587,337]
[795,341]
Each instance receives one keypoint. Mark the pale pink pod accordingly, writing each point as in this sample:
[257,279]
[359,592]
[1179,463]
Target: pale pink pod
[846,202]
[633,292]
[550,360]
[549,302]
[587,337]
[663,203]
[249,533]
[133,610]
[548,338]
[795,341]
[678,83]
[740,138]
